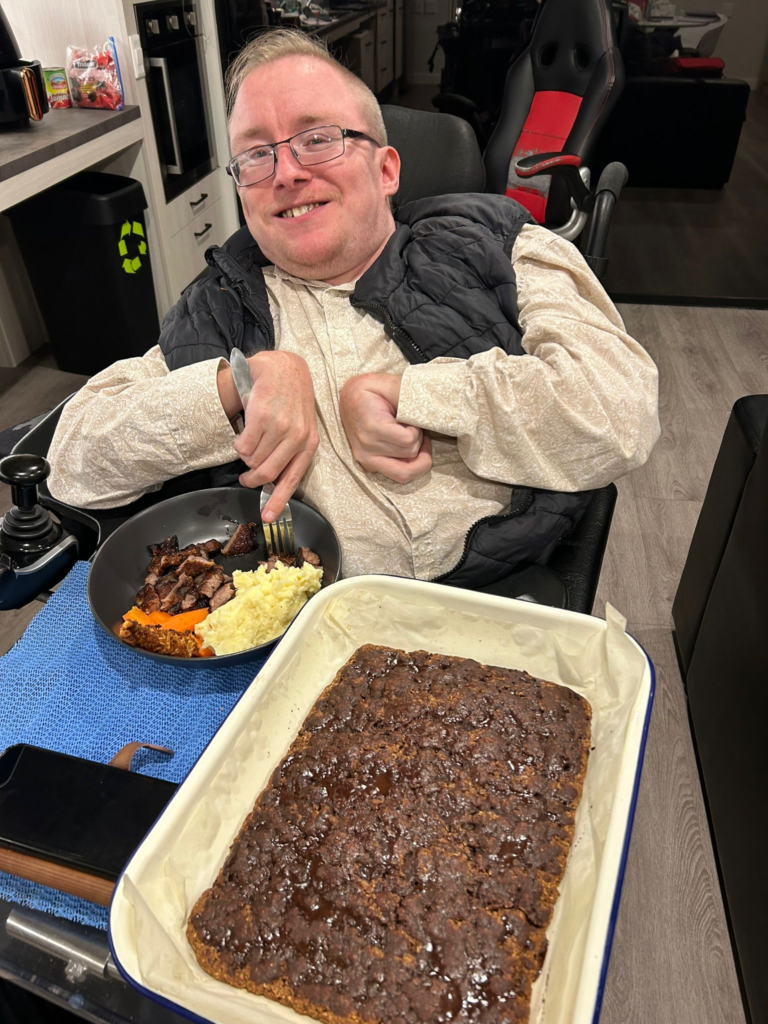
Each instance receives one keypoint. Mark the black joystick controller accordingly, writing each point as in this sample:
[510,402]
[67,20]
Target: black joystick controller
[27,531]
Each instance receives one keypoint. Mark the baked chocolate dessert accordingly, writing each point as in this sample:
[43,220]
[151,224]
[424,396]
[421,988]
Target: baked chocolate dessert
[403,863]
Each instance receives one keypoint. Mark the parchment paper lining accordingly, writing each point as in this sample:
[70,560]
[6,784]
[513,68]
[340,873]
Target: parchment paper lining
[158,891]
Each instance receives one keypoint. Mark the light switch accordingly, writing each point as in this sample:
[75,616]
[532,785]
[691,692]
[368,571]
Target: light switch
[137,55]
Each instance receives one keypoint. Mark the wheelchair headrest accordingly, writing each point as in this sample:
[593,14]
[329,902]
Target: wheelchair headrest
[439,153]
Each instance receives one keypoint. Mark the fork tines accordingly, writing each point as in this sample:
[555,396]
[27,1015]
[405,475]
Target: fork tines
[279,536]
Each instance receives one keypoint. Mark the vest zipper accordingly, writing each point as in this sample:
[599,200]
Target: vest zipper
[522,505]
[395,332]
[259,319]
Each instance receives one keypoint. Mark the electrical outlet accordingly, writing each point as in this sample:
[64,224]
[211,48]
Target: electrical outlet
[430,6]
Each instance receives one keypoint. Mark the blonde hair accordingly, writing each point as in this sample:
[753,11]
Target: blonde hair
[287,42]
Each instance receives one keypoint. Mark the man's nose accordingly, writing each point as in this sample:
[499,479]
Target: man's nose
[287,168]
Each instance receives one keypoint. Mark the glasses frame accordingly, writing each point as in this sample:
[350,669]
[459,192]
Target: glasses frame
[346,133]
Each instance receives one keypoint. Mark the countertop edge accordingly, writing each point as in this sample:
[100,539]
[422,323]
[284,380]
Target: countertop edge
[58,146]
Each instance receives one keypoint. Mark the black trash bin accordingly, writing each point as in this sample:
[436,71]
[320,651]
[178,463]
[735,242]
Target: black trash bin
[84,243]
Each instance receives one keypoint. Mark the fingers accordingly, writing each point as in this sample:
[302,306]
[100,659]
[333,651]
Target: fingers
[397,440]
[286,485]
[402,471]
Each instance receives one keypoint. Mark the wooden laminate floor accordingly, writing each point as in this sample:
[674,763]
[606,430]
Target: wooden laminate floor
[672,961]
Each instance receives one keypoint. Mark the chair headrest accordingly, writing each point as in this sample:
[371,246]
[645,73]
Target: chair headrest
[439,153]
[569,40]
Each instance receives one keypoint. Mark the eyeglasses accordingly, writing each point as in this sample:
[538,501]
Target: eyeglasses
[315,146]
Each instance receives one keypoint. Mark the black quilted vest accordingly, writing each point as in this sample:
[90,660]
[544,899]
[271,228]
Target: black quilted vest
[443,286]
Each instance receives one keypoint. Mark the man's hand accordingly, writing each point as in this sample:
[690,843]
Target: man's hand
[368,406]
[280,434]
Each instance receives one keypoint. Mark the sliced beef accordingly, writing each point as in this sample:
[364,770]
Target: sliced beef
[190,598]
[209,582]
[210,547]
[194,565]
[165,547]
[170,561]
[307,555]
[152,577]
[241,541]
[175,595]
[147,599]
[222,595]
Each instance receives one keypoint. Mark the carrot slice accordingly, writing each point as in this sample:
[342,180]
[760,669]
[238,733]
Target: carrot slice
[185,620]
[158,618]
[137,615]
[203,652]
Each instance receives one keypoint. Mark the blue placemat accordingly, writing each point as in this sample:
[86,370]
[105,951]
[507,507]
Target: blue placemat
[66,686]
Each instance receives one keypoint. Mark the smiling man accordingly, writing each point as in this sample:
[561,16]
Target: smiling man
[445,384]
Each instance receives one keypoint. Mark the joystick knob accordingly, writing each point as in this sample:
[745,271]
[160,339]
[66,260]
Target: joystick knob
[27,529]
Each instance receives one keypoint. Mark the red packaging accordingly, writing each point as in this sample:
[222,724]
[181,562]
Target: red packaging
[94,77]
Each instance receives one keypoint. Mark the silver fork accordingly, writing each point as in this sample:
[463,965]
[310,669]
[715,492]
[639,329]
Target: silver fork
[278,535]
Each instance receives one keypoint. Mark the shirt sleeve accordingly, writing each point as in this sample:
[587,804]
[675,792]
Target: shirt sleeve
[579,410]
[134,426]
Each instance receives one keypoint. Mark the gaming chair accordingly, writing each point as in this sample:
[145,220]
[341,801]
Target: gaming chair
[557,96]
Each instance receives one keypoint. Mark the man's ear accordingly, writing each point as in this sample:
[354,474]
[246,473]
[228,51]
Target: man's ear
[390,171]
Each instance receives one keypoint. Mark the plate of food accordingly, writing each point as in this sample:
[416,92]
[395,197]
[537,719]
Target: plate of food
[190,581]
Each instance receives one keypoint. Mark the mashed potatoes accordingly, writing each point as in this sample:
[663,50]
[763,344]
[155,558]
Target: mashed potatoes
[264,605]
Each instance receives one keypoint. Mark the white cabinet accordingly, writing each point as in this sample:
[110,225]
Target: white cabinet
[185,251]
[192,203]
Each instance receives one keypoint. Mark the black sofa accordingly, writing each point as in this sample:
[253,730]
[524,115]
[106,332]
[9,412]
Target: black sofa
[675,132]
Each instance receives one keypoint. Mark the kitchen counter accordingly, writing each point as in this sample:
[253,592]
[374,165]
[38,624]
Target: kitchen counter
[345,22]
[42,153]
[59,132]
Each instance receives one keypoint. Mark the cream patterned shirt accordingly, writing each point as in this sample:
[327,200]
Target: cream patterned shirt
[578,411]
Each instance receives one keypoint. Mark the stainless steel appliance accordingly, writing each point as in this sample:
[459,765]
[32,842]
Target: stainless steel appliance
[170,37]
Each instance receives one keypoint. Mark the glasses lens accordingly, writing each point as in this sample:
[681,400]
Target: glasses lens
[254,165]
[318,144]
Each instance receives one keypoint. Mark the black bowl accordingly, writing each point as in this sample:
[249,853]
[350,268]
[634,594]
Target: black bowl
[120,564]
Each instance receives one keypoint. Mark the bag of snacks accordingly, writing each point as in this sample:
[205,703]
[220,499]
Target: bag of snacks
[94,77]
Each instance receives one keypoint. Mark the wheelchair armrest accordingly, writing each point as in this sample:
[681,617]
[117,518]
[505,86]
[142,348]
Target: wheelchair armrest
[563,165]
[607,193]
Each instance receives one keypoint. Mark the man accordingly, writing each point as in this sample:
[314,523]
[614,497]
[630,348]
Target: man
[391,387]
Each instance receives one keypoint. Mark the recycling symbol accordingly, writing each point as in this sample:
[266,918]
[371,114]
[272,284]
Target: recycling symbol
[132,233]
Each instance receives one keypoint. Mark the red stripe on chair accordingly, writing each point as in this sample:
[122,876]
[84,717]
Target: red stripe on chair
[551,117]
[546,128]
[534,203]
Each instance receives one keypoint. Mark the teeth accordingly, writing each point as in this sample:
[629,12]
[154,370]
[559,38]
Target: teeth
[297,211]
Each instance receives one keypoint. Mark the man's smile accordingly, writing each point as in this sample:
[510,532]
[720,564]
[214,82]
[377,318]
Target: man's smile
[301,210]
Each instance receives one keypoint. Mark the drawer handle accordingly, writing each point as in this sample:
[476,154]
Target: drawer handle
[199,234]
[203,196]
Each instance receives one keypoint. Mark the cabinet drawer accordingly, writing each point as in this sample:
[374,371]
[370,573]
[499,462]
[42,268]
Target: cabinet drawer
[185,251]
[193,203]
